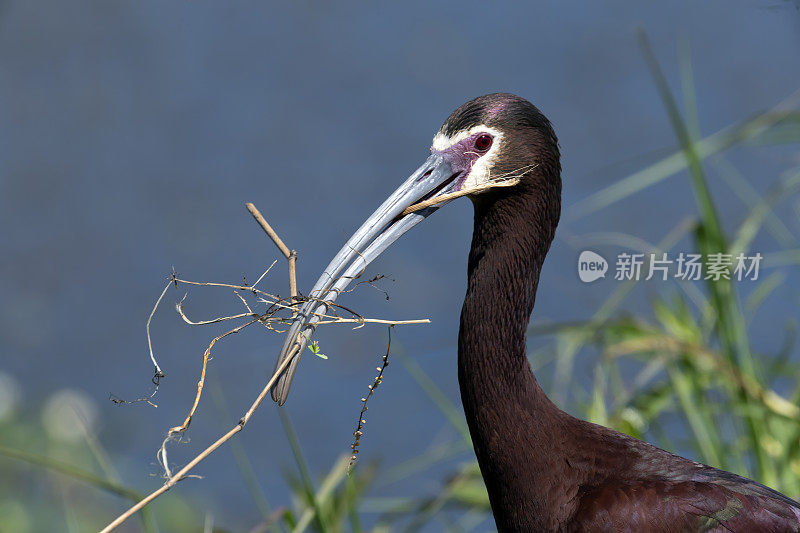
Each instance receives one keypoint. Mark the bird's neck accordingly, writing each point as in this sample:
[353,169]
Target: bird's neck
[505,260]
[514,426]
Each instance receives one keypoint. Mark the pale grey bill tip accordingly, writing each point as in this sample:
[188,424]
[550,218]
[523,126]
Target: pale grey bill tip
[377,233]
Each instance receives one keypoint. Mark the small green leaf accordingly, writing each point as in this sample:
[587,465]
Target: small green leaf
[314,347]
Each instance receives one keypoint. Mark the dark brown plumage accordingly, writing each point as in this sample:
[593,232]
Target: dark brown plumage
[544,469]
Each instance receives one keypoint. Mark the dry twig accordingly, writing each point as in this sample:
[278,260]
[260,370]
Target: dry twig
[268,319]
[182,473]
[291,255]
[504,180]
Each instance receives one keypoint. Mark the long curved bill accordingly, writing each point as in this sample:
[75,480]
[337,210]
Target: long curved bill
[434,178]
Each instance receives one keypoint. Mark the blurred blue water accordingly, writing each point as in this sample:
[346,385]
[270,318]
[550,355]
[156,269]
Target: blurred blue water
[132,133]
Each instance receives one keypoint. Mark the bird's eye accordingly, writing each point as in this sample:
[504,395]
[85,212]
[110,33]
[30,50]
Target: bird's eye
[483,142]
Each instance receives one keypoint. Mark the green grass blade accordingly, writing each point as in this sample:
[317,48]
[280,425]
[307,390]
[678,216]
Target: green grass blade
[782,258]
[699,420]
[763,290]
[423,461]
[435,394]
[748,195]
[569,345]
[672,164]
[326,490]
[80,474]
[352,507]
[710,240]
[708,212]
[688,89]
[302,467]
[759,213]
[241,459]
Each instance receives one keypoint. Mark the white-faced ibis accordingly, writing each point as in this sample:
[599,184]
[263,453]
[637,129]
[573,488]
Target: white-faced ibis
[544,469]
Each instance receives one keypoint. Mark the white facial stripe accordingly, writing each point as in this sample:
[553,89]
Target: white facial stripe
[443,142]
[480,174]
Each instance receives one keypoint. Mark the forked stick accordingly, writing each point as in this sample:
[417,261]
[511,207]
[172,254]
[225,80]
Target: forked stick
[291,256]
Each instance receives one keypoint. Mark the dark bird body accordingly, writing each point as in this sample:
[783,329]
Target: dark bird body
[544,469]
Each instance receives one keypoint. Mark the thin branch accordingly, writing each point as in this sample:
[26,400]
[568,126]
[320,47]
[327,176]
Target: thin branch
[363,321]
[244,302]
[250,288]
[147,326]
[504,180]
[202,380]
[275,305]
[331,319]
[264,274]
[156,380]
[268,229]
[291,255]
[179,309]
[181,474]
[249,313]
[293,279]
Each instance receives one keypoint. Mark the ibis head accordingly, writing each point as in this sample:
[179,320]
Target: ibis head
[491,146]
